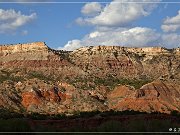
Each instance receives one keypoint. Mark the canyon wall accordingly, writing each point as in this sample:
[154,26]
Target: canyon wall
[36,46]
[40,79]
[29,51]
[97,61]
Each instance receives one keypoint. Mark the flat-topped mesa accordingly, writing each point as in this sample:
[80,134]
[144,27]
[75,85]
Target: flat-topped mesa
[28,51]
[36,46]
[151,50]
[146,50]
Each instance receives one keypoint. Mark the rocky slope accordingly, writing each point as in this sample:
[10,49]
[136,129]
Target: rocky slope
[36,78]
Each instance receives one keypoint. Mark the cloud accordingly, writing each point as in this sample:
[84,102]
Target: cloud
[119,14]
[10,20]
[71,45]
[113,27]
[171,24]
[171,40]
[136,37]
[91,9]
[133,37]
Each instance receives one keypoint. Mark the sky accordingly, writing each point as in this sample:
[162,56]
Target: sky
[71,24]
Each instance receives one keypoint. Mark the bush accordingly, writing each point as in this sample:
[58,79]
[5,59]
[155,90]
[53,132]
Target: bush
[175,113]
[7,75]
[39,75]
[37,116]
[112,82]
[6,114]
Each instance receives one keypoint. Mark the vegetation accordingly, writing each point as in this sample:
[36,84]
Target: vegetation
[11,78]
[6,114]
[175,113]
[39,75]
[7,75]
[37,116]
[112,82]
[137,125]
[111,126]
[135,122]
[14,125]
[124,124]
[115,54]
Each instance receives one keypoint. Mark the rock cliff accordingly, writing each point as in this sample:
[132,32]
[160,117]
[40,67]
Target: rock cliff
[36,78]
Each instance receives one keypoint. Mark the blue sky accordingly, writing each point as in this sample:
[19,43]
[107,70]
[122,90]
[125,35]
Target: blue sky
[72,25]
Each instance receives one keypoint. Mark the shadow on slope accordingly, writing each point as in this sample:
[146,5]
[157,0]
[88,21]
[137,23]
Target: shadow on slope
[110,121]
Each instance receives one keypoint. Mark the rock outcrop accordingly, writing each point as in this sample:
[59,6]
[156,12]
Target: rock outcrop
[150,62]
[152,97]
[36,78]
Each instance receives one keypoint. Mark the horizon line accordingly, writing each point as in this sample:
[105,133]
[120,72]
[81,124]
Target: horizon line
[122,46]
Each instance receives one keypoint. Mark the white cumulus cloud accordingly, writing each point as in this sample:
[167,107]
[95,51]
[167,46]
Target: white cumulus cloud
[113,27]
[171,40]
[171,24]
[71,45]
[133,37]
[92,8]
[136,37]
[119,14]
[10,20]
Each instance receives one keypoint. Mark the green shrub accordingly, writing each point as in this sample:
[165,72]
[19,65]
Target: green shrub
[39,75]
[175,113]
[6,114]
[7,75]
[112,82]
[37,116]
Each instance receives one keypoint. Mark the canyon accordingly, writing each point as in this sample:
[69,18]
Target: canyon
[37,79]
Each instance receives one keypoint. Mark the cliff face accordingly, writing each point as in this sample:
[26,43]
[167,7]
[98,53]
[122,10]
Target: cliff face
[36,46]
[44,80]
[31,51]
[150,62]
[37,57]
[99,61]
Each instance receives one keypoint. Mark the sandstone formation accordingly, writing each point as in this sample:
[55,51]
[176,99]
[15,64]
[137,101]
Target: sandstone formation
[36,78]
[155,96]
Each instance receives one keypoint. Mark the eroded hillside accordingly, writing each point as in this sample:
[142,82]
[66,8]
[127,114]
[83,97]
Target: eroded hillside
[36,78]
